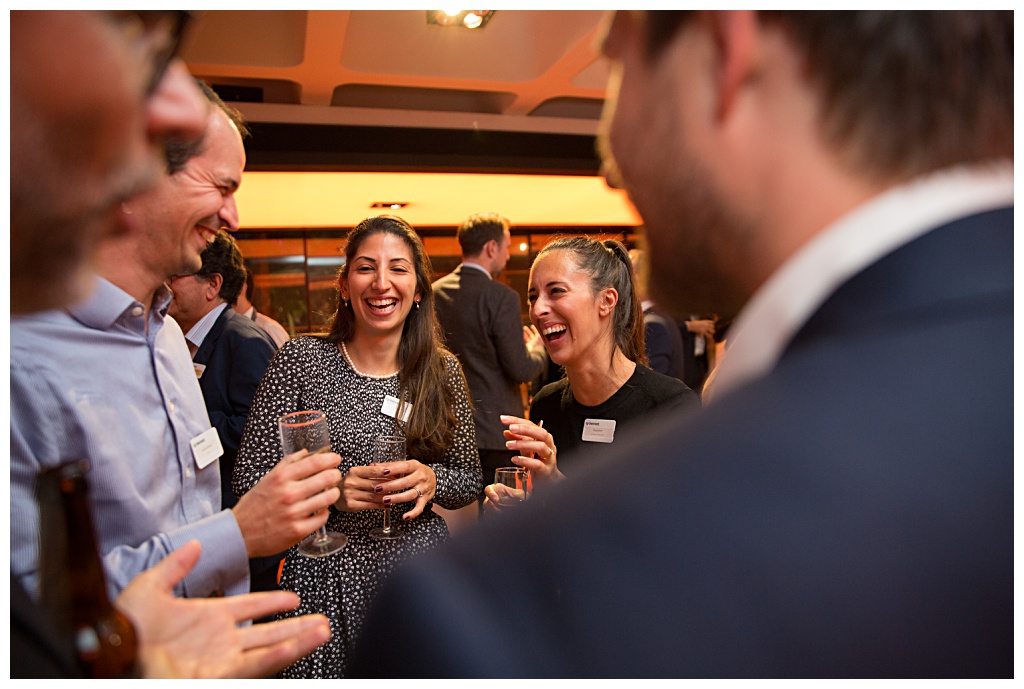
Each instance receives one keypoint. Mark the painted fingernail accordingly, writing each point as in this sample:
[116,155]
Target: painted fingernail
[377,489]
[387,500]
[387,471]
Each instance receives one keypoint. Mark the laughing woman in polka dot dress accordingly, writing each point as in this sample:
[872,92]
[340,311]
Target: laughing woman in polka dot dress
[382,348]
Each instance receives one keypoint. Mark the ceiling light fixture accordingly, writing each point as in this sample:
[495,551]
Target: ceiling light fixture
[469,19]
[393,205]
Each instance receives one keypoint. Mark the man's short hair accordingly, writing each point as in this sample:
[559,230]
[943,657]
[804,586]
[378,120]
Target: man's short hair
[179,152]
[478,229]
[221,256]
[902,93]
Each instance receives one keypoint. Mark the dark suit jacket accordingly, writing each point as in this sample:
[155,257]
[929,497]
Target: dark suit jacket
[484,329]
[236,353]
[849,514]
[663,343]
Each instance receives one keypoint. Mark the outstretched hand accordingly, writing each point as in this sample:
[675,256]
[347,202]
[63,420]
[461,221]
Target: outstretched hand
[200,637]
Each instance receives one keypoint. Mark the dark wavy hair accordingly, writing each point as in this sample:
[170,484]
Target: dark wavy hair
[221,256]
[608,264]
[422,376]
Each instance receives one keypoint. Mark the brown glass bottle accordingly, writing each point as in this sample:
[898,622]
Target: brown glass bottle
[72,586]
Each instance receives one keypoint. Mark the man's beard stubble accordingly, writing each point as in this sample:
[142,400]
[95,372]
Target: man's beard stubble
[695,243]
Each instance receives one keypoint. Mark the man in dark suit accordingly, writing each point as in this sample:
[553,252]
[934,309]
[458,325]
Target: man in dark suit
[483,326]
[843,506]
[230,352]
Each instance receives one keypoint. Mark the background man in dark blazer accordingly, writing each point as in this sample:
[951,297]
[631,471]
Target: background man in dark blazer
[483,326]
[229,351]
[843,506]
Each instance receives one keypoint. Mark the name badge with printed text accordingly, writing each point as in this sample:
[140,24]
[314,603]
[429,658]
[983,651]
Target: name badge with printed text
[206,447]
[599,430]
[391,406]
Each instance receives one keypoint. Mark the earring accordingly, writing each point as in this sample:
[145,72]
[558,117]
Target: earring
[417,305]
[346,302]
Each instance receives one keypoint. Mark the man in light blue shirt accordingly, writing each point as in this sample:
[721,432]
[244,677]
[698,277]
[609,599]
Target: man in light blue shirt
[111,380]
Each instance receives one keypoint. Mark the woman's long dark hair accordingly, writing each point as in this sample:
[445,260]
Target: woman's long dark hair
[422,376]
[608,265]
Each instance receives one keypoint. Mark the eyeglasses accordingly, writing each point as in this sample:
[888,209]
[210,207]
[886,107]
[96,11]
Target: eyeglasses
[158,32]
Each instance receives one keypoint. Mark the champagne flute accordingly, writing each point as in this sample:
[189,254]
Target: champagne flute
[513,482]
[387,448]
[308,430]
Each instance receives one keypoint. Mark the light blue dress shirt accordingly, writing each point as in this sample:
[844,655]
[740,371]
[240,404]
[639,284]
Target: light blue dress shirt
[93,381]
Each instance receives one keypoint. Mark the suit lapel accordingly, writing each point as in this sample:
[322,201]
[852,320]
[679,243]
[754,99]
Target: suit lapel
[206,349]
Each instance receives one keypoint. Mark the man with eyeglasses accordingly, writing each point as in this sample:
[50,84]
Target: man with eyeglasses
[88,135]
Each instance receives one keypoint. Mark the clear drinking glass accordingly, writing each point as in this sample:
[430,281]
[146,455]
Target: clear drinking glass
[387,448]
[308,430]
[513,483]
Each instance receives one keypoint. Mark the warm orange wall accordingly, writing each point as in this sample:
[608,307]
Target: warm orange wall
[343,199]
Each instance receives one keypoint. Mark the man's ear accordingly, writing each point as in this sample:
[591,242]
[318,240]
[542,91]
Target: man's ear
[213,286]
[736,34]
[490,248]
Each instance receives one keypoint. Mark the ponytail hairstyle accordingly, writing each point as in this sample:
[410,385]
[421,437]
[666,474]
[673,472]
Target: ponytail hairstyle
[422,376]
[608,264]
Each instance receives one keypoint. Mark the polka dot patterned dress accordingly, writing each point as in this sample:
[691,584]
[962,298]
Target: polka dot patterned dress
[312,373]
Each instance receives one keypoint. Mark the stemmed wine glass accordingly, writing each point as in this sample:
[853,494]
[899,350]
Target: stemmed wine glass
[308,430]
[387,448]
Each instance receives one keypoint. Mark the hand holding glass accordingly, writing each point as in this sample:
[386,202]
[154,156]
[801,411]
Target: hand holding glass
[387,448]
[308,430]
[511,485]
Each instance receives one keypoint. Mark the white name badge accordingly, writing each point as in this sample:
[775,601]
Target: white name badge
[390,408]
[599,430]
[206,447]
[199,369]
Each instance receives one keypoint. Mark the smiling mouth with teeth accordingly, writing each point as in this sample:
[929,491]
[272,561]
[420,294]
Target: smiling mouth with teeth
[553,332]
[207,233]
[381,304]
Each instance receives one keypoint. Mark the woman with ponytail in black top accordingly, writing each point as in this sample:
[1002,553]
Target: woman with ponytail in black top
[584,302]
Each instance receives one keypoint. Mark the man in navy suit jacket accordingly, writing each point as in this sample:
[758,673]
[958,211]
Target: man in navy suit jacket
[843,505]
[483,326]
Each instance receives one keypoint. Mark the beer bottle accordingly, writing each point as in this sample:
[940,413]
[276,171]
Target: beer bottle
[72,586]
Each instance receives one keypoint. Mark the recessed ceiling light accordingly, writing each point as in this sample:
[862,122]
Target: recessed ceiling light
[469,19]
[393,205]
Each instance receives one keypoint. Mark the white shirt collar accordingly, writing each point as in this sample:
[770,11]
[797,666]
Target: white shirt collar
[198,332]
[794,292]
[478,267]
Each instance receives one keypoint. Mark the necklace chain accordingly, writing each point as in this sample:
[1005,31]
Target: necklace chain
[344,353]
